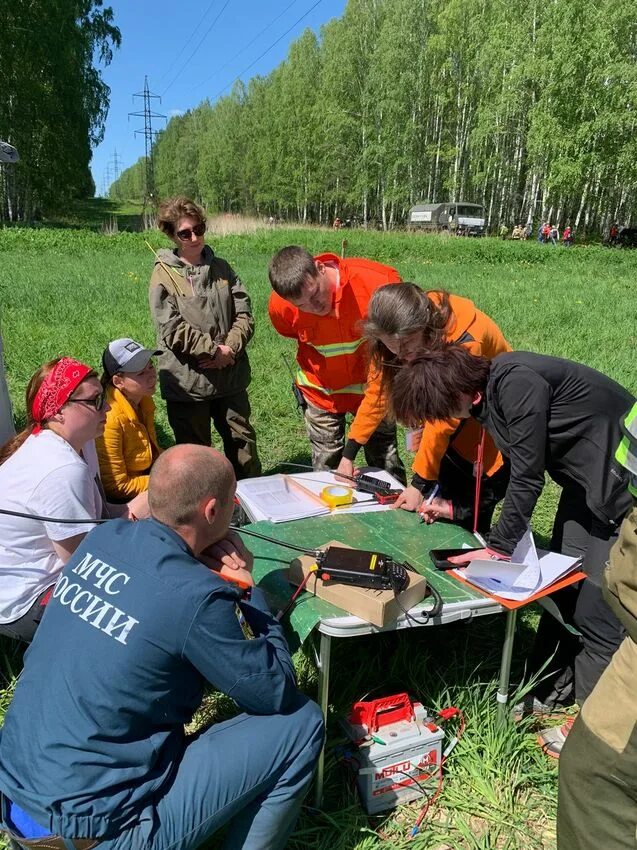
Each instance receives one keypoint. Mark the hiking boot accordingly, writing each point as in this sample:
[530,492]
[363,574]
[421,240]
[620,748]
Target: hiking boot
[552,739]
[531,706]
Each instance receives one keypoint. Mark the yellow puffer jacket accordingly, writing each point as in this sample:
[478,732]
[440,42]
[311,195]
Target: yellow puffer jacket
[128,447]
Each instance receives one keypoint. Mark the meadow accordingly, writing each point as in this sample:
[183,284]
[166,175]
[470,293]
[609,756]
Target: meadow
[70,291]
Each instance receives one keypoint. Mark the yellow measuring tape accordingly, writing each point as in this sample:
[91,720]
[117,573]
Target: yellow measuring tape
[336,496]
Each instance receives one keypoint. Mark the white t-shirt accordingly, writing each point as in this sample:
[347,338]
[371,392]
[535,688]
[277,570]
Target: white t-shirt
[47,477]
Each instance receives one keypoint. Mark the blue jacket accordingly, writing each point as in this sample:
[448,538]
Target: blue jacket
[135,628]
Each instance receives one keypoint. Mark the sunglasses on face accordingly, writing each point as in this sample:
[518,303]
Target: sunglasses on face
[186,233]
[97,402]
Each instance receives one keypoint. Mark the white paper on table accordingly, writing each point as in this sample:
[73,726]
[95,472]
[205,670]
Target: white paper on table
[528,572]
[272,497]
[264,497]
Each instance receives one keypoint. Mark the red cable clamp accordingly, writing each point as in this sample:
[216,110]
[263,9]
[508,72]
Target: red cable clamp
[381,712]
[448,713]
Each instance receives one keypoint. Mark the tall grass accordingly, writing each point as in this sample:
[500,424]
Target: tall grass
[71,291]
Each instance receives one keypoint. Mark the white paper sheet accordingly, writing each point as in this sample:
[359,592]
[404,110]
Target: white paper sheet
[527,573]
[257,495]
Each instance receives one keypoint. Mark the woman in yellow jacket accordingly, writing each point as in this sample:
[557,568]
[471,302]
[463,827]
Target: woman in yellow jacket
[402,321]
[128,447]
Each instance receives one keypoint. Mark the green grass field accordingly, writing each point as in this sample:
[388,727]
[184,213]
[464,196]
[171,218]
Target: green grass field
[68,291]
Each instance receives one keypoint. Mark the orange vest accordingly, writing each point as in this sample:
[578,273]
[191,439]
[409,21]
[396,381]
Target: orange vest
[481,335]
[332,354]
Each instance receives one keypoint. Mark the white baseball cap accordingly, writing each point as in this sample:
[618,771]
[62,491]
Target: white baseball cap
[126,355]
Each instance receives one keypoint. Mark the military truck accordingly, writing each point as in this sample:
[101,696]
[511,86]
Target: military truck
[457,217]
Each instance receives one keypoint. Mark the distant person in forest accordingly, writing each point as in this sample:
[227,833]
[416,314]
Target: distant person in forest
[568,236]
[546,232]
[554,235]
[528,230]
[204,321]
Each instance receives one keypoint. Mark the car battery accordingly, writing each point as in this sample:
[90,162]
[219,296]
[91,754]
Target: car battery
[397,746]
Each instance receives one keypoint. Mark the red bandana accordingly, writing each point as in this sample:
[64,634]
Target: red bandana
[56,389]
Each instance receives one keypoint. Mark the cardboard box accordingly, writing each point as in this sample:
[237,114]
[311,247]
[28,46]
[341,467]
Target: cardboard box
[374,606]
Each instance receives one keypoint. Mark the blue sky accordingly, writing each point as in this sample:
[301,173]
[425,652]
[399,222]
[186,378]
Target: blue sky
[168,41]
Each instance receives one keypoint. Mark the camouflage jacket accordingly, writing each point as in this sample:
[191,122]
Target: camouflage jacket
[196,308]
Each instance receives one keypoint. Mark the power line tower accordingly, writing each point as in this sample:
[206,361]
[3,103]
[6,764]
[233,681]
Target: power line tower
[116,164]
[149,139]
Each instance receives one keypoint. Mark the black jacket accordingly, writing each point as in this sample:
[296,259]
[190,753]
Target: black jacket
[551,415]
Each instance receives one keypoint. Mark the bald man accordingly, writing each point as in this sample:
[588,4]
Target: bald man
[93,749]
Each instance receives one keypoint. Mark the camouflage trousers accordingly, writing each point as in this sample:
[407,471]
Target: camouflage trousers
[230,415]
[326,432]
[597,799]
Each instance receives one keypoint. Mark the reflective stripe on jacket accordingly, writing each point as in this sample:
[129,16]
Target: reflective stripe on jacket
[626,453]
[331,353]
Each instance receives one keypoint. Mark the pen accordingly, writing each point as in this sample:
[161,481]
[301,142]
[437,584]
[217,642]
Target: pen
[430,498]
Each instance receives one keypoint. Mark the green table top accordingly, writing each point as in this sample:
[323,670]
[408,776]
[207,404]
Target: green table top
[396,533]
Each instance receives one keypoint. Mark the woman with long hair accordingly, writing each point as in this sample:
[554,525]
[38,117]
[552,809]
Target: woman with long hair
[50,469]
[403,322]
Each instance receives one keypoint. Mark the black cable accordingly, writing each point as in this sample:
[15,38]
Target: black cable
[52,518]
[426,615]
[274,43]
[273,540]
[93,521]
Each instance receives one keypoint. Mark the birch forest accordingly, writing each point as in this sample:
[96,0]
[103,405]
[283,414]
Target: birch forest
[53,101]
[526,106]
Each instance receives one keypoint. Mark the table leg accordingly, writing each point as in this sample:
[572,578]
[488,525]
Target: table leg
[505,665]
[323,698]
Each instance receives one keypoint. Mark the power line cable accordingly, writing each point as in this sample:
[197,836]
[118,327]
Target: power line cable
[274,44]
[196,48]
[186,43]
[243,50]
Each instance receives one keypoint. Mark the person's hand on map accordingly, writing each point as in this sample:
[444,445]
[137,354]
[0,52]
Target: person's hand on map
[409,500]
[345,467]
[230,558]
[485,554]
[435,509]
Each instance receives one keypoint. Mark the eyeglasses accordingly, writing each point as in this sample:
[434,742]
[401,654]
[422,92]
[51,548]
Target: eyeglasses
[186,233]
[97,402]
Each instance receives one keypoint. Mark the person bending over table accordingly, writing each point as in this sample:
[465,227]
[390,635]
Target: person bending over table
[321,302]
[93,749]
[403,321]
[203,318]
[50,470]
[598,767]
[128,447]
[545,415]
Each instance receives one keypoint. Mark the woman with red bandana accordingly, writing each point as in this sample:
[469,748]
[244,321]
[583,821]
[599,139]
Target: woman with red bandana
[50,470]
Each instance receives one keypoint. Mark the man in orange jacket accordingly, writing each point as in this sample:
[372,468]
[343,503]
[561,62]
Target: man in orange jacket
[447,451]
[322,302]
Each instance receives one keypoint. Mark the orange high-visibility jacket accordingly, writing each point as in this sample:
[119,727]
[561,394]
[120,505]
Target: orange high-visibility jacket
[481,335]
[331,354]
